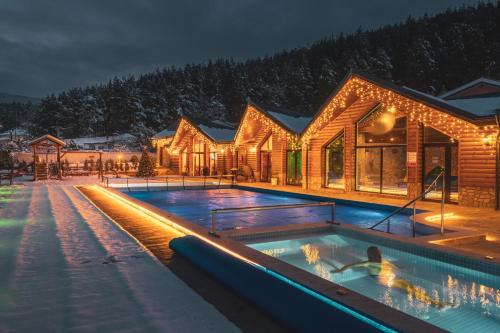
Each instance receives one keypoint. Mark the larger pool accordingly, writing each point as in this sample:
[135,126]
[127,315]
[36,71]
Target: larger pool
[448,296]
[195,205]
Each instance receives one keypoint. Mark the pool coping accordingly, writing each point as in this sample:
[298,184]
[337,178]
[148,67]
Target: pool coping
[357,302]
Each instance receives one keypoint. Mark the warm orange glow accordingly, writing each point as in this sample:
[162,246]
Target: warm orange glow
[437,217]
[253,149]
[170,223]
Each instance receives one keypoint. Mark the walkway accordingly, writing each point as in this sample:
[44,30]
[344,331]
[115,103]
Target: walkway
[66,267]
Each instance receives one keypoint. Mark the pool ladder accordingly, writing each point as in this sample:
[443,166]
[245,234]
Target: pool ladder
[413,202]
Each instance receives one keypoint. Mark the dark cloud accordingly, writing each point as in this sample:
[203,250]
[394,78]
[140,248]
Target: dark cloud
[48,46]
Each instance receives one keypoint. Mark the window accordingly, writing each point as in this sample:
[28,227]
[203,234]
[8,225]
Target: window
[199,159]
[334,159]
[381,152]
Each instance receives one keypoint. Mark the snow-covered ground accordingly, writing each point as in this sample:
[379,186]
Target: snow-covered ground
[65,267]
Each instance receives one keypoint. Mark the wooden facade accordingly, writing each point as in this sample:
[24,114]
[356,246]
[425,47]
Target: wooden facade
[265,137]
[195,152]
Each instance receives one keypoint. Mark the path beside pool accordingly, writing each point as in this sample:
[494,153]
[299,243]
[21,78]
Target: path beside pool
[66,267]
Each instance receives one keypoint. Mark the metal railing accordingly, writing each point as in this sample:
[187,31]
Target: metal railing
[413,202]
[169,181]
[215,212]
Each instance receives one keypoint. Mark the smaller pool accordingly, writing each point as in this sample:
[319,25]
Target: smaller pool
[195,205]
[448,296]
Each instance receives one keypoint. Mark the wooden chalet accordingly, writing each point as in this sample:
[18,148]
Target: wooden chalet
[202,147]
[267,144]
[375,137]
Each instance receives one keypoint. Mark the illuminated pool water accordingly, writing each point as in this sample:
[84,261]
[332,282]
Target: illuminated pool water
[195,205]
[464,300]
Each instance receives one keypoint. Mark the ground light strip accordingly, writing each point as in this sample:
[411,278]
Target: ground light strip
[283,278]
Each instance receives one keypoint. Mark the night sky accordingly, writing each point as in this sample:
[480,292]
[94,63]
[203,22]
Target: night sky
[51,45]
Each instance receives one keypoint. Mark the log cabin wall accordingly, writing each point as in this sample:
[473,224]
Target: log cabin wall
[265,127]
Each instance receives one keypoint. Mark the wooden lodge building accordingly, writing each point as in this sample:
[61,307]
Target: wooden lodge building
[369,136]
[373,136]
[267,143]
[198,147]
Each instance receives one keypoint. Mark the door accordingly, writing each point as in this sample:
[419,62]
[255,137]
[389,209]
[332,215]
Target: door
[294,167]
[436,158]
[265,166]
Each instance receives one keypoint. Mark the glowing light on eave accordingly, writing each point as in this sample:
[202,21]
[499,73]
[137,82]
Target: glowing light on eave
[416,111]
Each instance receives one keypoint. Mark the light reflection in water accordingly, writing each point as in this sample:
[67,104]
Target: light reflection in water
[443,294]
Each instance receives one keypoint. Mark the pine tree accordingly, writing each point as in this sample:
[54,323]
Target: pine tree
[146,165]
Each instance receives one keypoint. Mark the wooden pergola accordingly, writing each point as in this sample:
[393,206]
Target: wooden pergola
[43,147]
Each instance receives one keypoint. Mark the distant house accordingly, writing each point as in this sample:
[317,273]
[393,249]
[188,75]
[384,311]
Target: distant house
[202,147]
[15,134]
[106,143]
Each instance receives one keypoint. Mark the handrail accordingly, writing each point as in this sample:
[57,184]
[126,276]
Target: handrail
[413,201]
[215,212]
[148,180]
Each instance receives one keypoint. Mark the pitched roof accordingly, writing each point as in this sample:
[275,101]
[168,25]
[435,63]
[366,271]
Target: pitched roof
[167,132]
[218,131]
[48,137]
[481,80]
[164,133]
[291,121]
[456,109]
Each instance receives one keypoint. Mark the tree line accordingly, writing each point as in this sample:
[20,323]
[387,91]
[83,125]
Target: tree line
[431,54]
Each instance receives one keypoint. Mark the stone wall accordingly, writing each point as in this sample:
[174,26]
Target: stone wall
[474,196]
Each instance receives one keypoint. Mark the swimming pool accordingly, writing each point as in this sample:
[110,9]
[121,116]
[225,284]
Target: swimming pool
[195,205]
[406,282]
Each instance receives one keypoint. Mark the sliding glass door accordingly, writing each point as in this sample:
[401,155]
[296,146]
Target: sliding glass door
[381,152]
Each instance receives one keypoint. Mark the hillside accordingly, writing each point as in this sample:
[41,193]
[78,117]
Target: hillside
[430,54]
[9,98]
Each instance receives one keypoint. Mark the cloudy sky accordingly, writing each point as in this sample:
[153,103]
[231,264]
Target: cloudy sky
[50,45]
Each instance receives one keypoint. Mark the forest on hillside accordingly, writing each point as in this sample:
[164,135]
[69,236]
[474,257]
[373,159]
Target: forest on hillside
[431,54]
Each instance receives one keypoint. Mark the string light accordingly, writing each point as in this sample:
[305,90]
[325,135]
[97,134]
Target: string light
[366,91]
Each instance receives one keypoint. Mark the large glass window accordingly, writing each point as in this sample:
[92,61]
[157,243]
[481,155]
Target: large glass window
[334,159]
[199,159]
[294,167]
[381,152]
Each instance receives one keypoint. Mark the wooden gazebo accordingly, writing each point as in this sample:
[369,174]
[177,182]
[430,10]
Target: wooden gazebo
[43,147]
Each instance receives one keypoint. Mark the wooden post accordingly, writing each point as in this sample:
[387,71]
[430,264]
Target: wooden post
[59,171]
[34,162]
[101,173]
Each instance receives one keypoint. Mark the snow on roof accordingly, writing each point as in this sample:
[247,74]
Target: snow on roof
[101,139]
[482,80]
[218,133]
[294,123]
[483,106]
[486,106]
[167,132]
